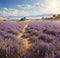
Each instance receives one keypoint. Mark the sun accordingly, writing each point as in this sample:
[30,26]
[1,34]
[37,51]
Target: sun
[53,6]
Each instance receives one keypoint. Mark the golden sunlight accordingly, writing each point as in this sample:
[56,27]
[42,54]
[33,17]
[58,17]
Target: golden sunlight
[53,6]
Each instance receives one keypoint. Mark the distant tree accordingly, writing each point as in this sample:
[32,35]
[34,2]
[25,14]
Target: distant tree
[4,20]
[23,19]
[42,17]
[58,15]
[54,16]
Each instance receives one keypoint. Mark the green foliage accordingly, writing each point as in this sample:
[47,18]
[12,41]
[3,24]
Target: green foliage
[54,16]
[42,17]
[58,16]
[23,19]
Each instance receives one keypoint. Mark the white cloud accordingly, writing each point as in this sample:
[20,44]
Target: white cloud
[9,12]
[14,12]
[40,5]
[24,13]
[34,13]
[4,11]
[26,6]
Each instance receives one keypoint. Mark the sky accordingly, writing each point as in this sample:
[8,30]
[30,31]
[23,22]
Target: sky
[29,7]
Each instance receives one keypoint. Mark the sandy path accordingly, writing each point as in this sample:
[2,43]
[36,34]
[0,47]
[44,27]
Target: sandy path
[26,40]
[23,30]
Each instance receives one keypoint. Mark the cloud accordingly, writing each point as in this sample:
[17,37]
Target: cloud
[24,13]
[4,11]
[14,12]
[26,6]
[9,12]
[34,13]
[40,5]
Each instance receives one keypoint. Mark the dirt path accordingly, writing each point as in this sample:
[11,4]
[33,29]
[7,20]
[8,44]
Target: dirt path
[25,40]
[23,30]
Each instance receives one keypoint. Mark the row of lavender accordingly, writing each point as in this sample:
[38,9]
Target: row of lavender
[10,45]
[10,29]
[45,39]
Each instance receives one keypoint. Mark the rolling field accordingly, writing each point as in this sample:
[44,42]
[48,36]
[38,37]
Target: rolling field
[30,39]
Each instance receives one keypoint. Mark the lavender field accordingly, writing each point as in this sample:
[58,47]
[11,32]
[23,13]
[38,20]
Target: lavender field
[39,39]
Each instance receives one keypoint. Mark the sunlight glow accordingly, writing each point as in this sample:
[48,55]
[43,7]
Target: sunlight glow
[53,6]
